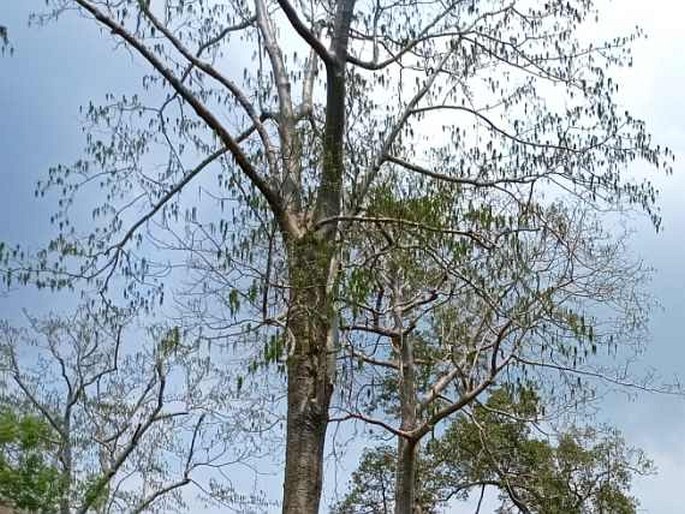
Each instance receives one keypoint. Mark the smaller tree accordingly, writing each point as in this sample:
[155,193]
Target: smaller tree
[437,322]
[29,476]
[122,419]
[493,447]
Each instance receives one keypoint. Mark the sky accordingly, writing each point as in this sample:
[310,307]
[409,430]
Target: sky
[57,68]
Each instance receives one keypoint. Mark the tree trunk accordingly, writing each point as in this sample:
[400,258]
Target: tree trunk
[405,485]
[310,374]
[66,458]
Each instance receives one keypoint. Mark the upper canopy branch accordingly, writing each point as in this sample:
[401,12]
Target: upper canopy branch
[307,34]
[497,129]
[272,197]
[223,80]
[422,36]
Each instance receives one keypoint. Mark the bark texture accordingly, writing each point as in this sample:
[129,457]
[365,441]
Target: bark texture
[405,487]
[310,375]
[405,491]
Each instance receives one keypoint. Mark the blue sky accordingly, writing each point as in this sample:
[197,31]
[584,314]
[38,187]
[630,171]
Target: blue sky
[57,68]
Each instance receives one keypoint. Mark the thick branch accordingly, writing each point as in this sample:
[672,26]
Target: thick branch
[329,193]
[286,118]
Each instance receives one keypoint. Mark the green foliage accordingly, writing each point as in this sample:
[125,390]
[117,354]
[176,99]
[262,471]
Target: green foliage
[96,492]
[170,342]
[29,478]
[581,471]
[372,484]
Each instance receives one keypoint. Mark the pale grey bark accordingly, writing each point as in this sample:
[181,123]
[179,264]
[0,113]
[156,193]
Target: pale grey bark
[405,487]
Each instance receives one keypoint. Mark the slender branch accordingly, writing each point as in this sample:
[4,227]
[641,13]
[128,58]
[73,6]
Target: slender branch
[132,444]
[424,35]
[307,106]
[167,197]
[437,389]
[221,79]
[38,405]
[460,180]
[409,223]
[600,376]
[143,506]
[372,360]
[378,330]
[389,141]
[224,32]
[285,220]
[371,421]
[304,32]
[185,480]
[463,401]
[501,131]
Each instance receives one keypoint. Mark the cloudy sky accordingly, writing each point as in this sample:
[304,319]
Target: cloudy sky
[57,68]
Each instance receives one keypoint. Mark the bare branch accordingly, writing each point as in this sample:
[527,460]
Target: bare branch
[286,222]
[309,36]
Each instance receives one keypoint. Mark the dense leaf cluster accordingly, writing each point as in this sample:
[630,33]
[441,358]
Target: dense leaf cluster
[29,476]
[497,451]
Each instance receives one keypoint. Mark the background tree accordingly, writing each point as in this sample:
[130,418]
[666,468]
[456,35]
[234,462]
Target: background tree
[29,476]
[465,105]
[500,446]
[436,323]
[122,421]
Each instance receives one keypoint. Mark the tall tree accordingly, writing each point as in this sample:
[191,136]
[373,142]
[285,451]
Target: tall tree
[462,105]
[436,324]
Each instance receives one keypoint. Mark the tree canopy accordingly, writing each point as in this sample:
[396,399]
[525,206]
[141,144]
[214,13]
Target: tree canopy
[29,477]
[497,448]
[100,417]
[329,197]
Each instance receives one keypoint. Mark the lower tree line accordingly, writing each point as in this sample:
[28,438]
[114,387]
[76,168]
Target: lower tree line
[91,423]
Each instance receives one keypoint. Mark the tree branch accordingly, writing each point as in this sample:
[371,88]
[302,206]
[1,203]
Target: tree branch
[304,32]
[286,222]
